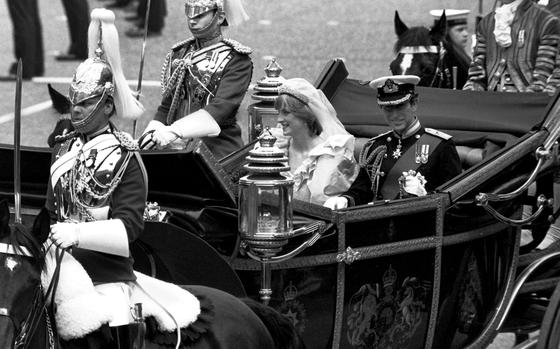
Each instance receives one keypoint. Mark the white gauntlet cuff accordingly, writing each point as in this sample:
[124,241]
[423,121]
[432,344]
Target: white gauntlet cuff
[108,236]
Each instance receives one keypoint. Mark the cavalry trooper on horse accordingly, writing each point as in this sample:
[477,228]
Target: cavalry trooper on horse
[96,198]
[204,80]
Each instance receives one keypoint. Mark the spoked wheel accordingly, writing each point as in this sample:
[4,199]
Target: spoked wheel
[550,329]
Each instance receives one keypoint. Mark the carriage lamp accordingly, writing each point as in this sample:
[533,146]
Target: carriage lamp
[266,213]
[265,200]
[262,113]
[265,207]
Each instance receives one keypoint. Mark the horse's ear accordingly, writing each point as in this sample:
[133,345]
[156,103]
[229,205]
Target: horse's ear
[60,102]
[439,29]
[4,218]
[42,225]
[400,27]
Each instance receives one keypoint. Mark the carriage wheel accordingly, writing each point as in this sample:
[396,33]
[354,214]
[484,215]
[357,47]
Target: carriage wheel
[173,254]
[549,336]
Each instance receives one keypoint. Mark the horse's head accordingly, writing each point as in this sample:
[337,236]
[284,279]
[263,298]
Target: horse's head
[418,50]
[20,276]
[62,105]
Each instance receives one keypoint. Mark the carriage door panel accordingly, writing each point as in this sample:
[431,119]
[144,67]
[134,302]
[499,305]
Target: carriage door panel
[389,270]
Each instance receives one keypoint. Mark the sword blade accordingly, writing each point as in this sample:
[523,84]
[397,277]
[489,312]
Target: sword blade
[17,143]
[142,58]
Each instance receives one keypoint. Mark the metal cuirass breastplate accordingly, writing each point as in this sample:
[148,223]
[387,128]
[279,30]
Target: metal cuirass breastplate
[203,78]
[83,191]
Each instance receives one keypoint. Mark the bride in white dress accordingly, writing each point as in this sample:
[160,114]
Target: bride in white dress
[319,149]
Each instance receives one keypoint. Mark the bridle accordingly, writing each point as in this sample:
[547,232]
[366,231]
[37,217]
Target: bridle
[435,49]
[26,329]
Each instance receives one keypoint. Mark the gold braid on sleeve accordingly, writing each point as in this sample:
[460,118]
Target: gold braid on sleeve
[372,164]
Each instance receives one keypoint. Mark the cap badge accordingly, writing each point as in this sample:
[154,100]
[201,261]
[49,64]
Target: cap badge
[390,86]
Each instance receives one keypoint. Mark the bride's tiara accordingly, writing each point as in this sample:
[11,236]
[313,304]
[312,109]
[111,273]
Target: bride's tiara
[285,90]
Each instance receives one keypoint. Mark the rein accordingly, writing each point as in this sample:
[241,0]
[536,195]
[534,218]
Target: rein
[440,71]
[26,329]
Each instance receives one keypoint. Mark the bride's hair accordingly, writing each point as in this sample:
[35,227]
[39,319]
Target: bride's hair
[289,104]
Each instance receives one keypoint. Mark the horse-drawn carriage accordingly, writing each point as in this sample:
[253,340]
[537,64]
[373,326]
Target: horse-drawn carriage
[432,272]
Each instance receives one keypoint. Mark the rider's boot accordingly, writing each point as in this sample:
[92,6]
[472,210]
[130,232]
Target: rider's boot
[129,336]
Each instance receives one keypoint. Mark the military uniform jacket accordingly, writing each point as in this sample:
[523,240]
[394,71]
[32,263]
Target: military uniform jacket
[213,78]
[102,178]
[441,162]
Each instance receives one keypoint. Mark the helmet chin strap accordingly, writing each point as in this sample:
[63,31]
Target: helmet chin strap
[81,126]
[206,34]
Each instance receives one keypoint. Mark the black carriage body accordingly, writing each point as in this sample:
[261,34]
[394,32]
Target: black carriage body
[415,273]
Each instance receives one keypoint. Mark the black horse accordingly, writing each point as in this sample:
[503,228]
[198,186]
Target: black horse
[25,322]
[428,54]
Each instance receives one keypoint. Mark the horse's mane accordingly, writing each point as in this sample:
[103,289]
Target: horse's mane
[415,36]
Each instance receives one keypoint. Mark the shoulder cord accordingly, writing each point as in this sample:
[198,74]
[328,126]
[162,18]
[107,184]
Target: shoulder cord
[177,78]
[375,158]
[81,183]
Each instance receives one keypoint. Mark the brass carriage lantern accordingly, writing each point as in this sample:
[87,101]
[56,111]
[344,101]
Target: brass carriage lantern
[262,113]
[265,206]
[265,199]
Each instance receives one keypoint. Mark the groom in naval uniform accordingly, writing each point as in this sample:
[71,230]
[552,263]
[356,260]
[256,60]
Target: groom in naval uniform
[408,160]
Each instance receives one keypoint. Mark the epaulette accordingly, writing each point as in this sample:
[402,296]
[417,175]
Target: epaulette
[437,133]
[367,145]
[181,44]
[238,47]
[126,141]
[379,136]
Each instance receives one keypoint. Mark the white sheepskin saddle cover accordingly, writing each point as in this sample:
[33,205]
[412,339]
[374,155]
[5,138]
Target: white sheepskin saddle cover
[81,309]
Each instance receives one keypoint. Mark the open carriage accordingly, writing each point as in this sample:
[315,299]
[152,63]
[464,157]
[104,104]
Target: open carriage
[430,272]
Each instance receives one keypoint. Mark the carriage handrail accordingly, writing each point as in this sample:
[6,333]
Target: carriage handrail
[542,203]
[543,155]
[319,227]
[521,279]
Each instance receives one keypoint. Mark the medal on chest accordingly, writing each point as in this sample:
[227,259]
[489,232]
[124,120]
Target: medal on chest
[398,151]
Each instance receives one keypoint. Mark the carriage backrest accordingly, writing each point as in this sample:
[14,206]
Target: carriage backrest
[486,120]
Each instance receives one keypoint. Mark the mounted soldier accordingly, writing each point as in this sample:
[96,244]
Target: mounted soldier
[96,199]
[204,80]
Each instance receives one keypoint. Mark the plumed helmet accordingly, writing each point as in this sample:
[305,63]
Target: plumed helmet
[101,74]
[233,10]
[93,78]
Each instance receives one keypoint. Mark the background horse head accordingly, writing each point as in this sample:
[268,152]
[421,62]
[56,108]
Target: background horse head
[419,51]
[63,126]
[22,311]
[229,323]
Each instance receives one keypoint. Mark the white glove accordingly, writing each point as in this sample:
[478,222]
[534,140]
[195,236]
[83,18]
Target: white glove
[108,236]
[336,203]
[65,235]
[414,183]
[163,136]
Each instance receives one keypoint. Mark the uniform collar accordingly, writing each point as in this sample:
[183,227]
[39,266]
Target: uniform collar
[410,131]
[105,129]
[206,43]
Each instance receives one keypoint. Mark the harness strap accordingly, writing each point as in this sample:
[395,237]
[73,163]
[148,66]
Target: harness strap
[419,49]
